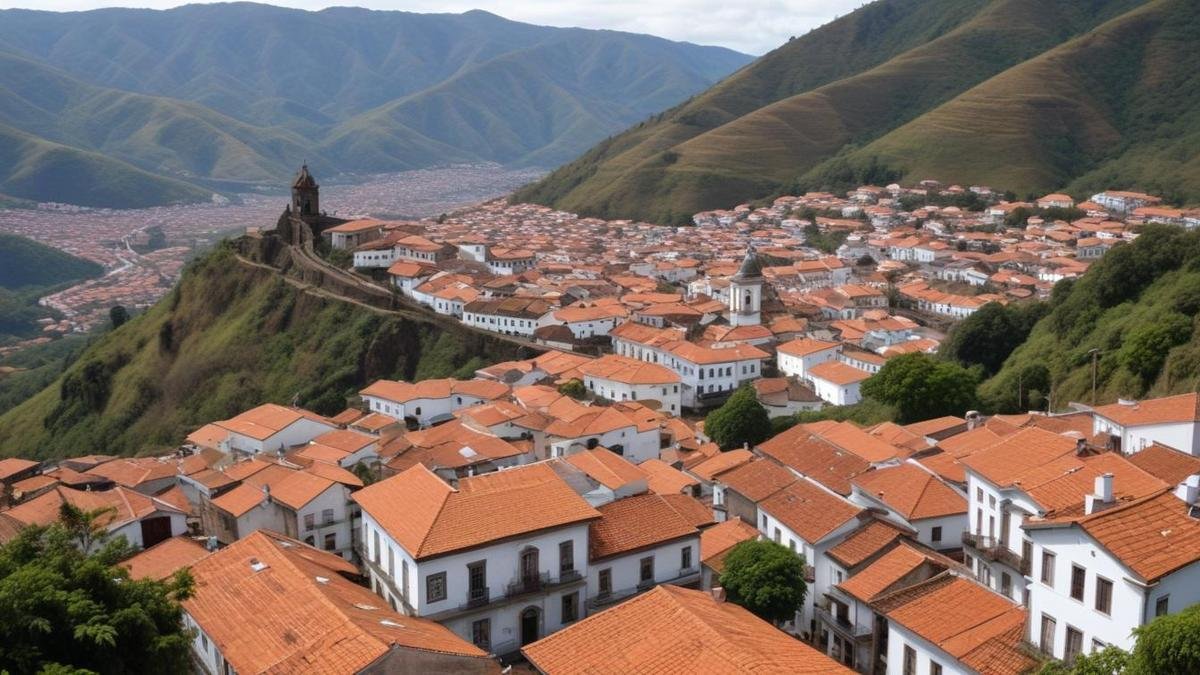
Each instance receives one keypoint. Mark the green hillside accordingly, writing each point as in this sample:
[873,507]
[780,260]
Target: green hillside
[1138,305]
[1057,94]
[25,262]
[241,93]
[227,338]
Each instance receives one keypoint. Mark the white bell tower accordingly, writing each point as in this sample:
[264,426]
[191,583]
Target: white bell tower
[745,292]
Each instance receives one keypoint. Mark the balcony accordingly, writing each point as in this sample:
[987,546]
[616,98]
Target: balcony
[518,587]
[843,624]
[683,577]
[991,548]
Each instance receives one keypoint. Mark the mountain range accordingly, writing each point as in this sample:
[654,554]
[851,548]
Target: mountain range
[1024,95]
[132,107]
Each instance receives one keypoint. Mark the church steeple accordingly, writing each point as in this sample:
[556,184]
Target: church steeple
[745,291]
[305,195]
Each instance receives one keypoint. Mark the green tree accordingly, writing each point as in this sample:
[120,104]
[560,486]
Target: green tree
[741,420]
[1108,661]
[1145,349]
[117,316]
[62,610]
[922,387]
[766,579]
[990,334]
[573,388]
[1168,644]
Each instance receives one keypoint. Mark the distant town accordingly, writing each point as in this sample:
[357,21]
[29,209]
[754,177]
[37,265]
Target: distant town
[571,511]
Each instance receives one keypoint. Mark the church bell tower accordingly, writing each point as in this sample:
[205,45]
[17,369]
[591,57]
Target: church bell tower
[305,196]
[745,292]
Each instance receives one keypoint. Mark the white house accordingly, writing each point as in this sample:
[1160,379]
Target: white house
[915,499]
[837,383]
[1100,573]
[620,378]
[267,428]
[501,560]
[298,504]
[142,520]
[1173,421]
[797,357]
[429,401]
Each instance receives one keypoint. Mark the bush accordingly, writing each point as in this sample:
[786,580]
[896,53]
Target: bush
[766,579]
[742,420]
[923,387]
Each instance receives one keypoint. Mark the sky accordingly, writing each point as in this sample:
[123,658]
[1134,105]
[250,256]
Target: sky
[750,26]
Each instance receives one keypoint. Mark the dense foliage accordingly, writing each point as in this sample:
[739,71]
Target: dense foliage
[739,421]
[1136,307]
[1168,644]
[25,262]
[765,578]
[989,335]
[922,387]
[63,611]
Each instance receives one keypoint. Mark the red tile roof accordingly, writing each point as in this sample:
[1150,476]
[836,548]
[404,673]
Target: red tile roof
[671,630]
[912,492]
[809,511]
[718,540]
[165,558]
[1168,410]
[869,539]
[635,523]
[1168,464]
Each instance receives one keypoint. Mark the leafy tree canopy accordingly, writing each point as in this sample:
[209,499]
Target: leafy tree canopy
[766,579]
[741,420]
[573,388]
[62,610]
[991,333]
[922,387]
[1168,644]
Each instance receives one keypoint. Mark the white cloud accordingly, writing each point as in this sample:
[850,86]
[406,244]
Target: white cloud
[752,26]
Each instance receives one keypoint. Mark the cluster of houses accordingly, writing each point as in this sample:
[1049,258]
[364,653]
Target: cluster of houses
[461,524]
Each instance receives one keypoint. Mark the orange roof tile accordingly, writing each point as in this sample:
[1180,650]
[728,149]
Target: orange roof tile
[1004,462]
[629,371]
[805,346]
[822,461]
[663,479]
[718,540]
[429,518]
[635,523]
[607,468]
[165,558]
[809,511]
[1171,409]
[870,538]
[272,604]
[693,510]
[705,636]
[1168,464]
[758,479]
[912,492]
[892,567]
[709,468]
[838,373]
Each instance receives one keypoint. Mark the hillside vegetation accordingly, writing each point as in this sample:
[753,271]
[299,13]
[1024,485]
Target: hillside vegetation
[1030,95]
[217,96]
[227,338]
[1138,306]
[25,262]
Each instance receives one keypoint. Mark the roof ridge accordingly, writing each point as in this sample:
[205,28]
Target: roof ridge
[441,507]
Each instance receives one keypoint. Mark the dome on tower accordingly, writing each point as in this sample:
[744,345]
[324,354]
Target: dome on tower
[751,266]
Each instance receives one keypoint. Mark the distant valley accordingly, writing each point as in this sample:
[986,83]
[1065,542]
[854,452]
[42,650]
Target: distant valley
[129,108]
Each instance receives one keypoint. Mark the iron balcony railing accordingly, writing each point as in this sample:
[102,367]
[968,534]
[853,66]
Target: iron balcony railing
[993,548]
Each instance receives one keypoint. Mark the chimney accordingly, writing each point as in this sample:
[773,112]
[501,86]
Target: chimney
[972,419]
[718,593]
[1189,490]
[210,544]
[1101,497]
[266,490]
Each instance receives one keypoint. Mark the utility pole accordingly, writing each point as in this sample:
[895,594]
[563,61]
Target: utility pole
[1095,353]
[1019,405]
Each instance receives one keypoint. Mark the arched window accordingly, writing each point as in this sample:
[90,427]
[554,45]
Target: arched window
[749,302]
[529,567]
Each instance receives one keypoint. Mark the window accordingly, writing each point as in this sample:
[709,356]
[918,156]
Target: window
[1048,627]
[777,535]
[978,521]
[331,542]
[1048,568]
[605,581]
[1098,646]
[1160,606]
[404,578]
[377,554]
[937,534]
[308,522]
[1103,595]
[477,580]
[570,607]
[435,587]
[935,668]
[685,558]
[979,495]
[481,634]
[1074,646]
[566,556]
[310,541]
[1005,585]
[1078,577]
[992,501]
[646,569]
[764,519]
[326,516]
[910,660]
[391,561]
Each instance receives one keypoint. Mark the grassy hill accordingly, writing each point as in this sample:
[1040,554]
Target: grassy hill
[1139,306]
[1034,95]
[227,338]
[25,262]
[241,93]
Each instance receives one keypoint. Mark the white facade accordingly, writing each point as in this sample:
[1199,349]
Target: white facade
[666,394]
[994,518]
[423,410]
[628,442]
[745,302]
[496,323]
[1183,436]
[698,380]
[624,571]
[834,393]
[798,366]
[926,654]
[299,432]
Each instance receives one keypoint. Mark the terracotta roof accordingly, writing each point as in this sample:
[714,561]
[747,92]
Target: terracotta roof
[809,511]
[1171,409]
[693,510]
[133,472]
[870,538]
[1004,462]
[403,392]
[272,604]
[1168,464]
[718,540]
[165,558]
[891,568]
[267,420]
[607,468]
[980,628]
[758,479]
[238,501]
[705,636]
[838,373]
[912,492]
[1060,486]
[709,468]
[945,465]
[635,523]
[128,505]
[805,346]
[822,461]
[848,436]
[11,466]
[429,518]
[299,488]
[663,479]
[629,371]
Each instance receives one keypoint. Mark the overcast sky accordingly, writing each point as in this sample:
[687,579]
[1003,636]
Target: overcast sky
[751,26]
